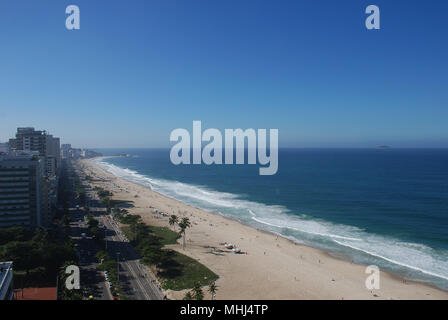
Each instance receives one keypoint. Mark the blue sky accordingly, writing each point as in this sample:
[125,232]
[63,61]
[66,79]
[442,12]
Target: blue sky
[138,69]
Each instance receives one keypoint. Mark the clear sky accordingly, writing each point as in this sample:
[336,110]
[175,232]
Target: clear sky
[138,69]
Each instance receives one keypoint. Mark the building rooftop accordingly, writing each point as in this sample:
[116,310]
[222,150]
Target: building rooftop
[36,294]
[30,130]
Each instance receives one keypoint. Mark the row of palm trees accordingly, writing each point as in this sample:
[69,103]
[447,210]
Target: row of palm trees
[197,294]
[183,224]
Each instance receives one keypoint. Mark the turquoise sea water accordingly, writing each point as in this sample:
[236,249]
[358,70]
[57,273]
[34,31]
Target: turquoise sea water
[387,207]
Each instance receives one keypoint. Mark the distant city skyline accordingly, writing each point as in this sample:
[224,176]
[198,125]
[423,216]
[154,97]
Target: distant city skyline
[136,70]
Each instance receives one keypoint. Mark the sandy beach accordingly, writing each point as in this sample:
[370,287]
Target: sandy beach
[273,268]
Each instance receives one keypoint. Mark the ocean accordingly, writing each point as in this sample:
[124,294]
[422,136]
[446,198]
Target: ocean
[384,207]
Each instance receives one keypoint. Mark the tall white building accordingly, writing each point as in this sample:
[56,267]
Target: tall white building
[24,198]
[29,139]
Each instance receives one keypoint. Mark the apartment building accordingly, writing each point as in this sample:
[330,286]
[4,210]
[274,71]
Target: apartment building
[66,150]
[29,139]
[24,198]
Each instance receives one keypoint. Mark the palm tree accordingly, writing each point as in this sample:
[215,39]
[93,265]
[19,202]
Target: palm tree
[197,292]
[212,288]
[66,221]
[183,225]
[173,221]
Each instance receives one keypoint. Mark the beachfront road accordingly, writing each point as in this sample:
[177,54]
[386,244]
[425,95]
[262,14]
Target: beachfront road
[92,279]
[138,281]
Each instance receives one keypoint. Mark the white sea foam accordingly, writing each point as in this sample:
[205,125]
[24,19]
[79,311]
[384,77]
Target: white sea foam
[280,220]
[400,254]
[318,228]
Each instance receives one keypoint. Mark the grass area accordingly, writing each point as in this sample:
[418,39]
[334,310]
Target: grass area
[174,270]
[182,272]
[164,235]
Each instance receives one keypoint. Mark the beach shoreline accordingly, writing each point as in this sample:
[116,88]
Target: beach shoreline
[274,268]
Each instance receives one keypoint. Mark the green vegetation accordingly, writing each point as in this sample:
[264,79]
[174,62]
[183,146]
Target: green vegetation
[37,255]
[105,197]
[14,234]
[91,221]
[66,221]
[131,219]
[92,224]
[119,213]
[212,288]
[197,294]
[64,293]
[80,194]
[102,193]
[166,235]
[188,296]
[182,272]
[175,270]
[110,204]
[79,190]
[184,224]
[173,220]
[107,263]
